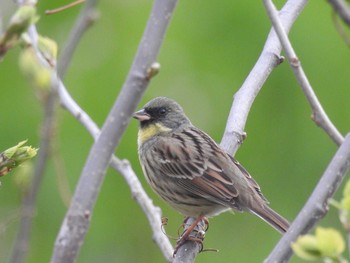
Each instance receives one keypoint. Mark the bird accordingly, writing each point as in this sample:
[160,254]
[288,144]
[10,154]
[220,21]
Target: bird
[190,171]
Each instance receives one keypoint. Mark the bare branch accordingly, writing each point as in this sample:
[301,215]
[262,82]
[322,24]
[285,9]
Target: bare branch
[245,96]
[29,199]
[77,220]
[319,115]
[317,205]
[340,28]
[28,204]
[342,9]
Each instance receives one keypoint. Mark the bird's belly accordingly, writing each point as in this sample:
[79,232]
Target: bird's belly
[195,209]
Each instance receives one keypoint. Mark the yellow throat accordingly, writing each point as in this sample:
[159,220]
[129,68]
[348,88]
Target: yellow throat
[149,131]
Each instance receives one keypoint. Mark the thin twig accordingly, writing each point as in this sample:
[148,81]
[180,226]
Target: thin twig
[245,96]
[62,8]
[317,204]
[77,220]
[319,115]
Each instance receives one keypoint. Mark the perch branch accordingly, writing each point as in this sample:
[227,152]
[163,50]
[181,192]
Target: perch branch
[317,204]
[319,115]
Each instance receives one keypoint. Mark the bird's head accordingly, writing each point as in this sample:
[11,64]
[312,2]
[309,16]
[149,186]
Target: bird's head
[160,116]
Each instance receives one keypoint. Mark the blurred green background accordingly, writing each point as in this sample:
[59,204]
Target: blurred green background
[208,51]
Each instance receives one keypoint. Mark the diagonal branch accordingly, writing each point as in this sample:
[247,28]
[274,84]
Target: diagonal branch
[342,9]
[245,96]
[77,220]
[317,205]
[319,115]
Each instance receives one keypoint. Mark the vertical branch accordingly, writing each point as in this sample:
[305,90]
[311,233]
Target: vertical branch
[29,199]
[21,244]
[77,219]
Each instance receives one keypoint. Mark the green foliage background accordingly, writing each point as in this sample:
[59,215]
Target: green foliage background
[208,52]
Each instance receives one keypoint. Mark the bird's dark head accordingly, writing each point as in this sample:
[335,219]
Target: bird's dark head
[160,115]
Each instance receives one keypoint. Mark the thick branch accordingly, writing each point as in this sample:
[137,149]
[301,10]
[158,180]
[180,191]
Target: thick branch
[319,115]
[317,205]
[245,96]
[77,220]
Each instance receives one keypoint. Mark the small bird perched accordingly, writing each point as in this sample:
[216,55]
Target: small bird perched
[190,171]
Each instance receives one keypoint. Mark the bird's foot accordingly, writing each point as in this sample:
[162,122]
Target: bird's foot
[194,232]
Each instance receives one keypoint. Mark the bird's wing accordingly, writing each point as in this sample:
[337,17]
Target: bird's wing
[182,155]
[195,162]
[252,183]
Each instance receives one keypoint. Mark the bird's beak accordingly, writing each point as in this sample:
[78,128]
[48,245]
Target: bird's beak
[142,115]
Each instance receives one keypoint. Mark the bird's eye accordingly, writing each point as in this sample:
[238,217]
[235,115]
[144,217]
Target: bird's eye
[162,111]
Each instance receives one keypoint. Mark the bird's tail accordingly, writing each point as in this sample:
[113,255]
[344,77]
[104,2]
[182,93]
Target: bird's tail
[271,217]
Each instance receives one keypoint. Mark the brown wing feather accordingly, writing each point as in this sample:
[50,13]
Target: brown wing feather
[200,161]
